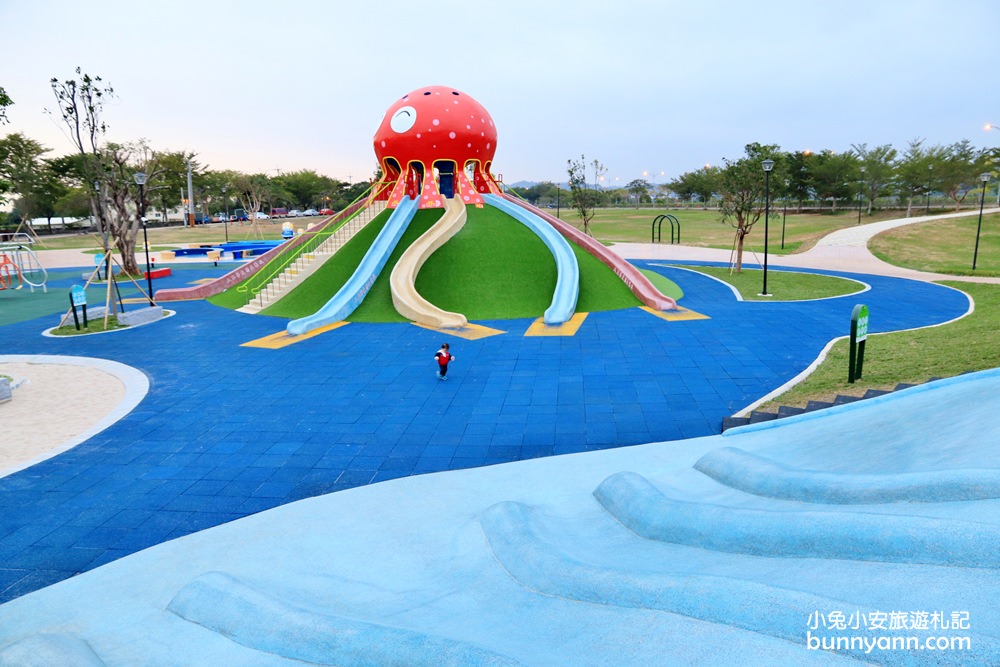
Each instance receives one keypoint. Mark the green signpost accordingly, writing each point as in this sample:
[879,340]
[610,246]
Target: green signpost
[859,333]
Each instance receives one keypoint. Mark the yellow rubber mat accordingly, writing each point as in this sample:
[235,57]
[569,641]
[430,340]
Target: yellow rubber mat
[540,328]
[679,315]
[468,332]
[284,339]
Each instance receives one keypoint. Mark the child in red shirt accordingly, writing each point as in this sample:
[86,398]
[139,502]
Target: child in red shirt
[443,357]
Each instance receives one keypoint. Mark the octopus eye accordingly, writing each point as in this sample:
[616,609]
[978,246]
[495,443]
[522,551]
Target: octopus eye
[403,119]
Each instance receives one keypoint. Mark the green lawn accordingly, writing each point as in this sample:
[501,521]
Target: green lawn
[495,268]
[943,246]
[781,285]
[704,228]
[968,344]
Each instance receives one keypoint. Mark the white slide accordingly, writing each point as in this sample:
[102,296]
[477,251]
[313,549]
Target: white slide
[402,281]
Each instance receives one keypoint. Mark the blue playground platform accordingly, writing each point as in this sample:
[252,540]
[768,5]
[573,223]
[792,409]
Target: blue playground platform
[229,430]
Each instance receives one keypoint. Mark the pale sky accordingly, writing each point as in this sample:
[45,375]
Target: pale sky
[643,86]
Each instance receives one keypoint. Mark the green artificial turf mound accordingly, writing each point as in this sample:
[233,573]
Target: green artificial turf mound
[495,268]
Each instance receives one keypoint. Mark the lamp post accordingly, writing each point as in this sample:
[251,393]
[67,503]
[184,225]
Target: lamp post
[226,221]
[784,212]
[768,165]
[988,127]
[930,171]
[140,180]
[861,190]
[985,178]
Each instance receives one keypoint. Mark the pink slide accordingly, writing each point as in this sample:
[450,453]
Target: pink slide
[636,281]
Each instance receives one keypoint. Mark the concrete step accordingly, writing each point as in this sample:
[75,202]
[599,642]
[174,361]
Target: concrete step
[733,422]
[758,416]
[841,399]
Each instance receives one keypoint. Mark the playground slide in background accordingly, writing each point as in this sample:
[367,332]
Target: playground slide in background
[357,286]
[640,285]
[567,289]
[402,281]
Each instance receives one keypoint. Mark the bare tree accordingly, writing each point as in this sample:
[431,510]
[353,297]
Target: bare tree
[251,192]
[584,199]
[80,105]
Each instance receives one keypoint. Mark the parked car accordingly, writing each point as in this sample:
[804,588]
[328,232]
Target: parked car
[294,213]
[200,218]
[279,212]
[326,211]
[310,212]
[260,215]
[240,215]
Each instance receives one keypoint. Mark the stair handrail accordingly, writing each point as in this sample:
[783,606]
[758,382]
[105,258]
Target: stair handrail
[356,211]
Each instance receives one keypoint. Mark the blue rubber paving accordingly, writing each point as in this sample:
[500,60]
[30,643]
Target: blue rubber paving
[228,431]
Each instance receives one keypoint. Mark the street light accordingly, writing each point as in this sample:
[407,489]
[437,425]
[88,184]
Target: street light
[985,178]
[861,192]
[140,180]
[768,165]
[226,221]
[988,127]
[784,212]
[930,171]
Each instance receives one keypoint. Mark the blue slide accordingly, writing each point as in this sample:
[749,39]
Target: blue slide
[357,286]
[568,270]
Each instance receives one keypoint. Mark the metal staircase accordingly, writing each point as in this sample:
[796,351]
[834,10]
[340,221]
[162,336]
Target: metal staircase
[309,261]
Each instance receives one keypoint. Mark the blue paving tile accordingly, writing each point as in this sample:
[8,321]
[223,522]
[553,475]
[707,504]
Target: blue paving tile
[356,477]
[193,455]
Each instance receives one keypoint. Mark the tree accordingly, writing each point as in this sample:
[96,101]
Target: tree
[914,171]
[121,162]
[21,167]
[742,189]
[540,194]
[700,184]
[958,173]
[303,189]
[637,189]
[585,199]
[251,191]
[798,173]
[72,191]
[81,103]
[49,192]
[879,165]
[5,102]
[165,193]
[831,175]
